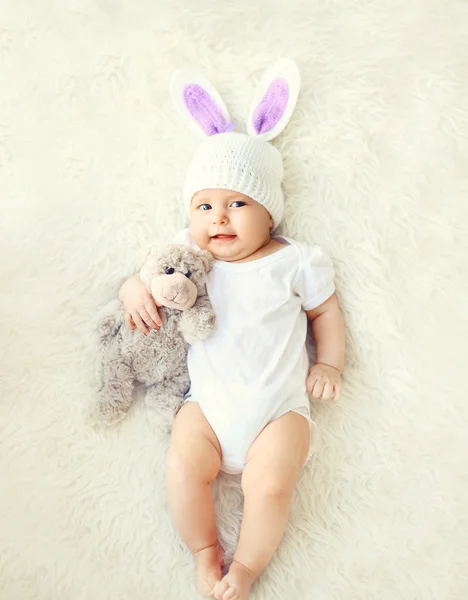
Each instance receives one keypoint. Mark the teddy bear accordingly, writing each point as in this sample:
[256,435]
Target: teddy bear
[175,276]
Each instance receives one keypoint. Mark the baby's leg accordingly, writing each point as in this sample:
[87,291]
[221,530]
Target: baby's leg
[193,461]
[274,462]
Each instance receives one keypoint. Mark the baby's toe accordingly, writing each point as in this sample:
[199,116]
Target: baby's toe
[230,594]
[239,580]
[220,589]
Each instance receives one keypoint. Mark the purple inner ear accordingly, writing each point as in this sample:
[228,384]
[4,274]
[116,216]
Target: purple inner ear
[205,111]
[271,108]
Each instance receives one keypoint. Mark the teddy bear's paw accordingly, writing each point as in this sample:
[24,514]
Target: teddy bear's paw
[206,325]
[197,327]
[108,414]
[164,423]
[163,412]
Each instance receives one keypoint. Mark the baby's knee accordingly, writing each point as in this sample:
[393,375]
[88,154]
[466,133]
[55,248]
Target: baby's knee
[271,487]
[271,479]
[185,464]
[178,464]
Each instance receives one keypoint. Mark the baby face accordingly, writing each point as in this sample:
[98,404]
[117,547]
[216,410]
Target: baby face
[228,224]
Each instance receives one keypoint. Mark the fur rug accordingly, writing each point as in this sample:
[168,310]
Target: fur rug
[92,157]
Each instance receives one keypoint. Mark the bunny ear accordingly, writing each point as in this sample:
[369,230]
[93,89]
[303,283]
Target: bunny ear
[199,104]
[274,100]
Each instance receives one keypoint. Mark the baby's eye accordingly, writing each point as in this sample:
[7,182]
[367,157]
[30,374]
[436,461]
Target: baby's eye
[169,270]
[188,274]
[204,207]
[238,204]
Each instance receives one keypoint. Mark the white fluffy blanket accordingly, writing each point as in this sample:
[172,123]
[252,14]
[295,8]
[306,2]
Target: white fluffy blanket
[91,161]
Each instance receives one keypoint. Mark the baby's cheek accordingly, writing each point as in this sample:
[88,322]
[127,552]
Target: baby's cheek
[205,243]
[199,236]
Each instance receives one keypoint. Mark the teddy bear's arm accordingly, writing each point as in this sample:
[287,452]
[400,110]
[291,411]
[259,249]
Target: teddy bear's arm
[198,322]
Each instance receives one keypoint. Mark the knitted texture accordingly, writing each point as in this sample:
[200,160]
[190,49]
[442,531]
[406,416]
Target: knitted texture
[205,111]
[238,162]
[272,106]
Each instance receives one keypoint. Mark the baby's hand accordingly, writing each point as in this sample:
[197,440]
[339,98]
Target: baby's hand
[323,382]
[139,305]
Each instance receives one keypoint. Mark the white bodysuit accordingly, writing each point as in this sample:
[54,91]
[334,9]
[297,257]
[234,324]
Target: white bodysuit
[253,368]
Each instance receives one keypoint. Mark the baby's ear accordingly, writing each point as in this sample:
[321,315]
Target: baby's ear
[206,258]
[274,100]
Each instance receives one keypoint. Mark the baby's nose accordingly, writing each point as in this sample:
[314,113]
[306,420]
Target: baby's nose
[220,218]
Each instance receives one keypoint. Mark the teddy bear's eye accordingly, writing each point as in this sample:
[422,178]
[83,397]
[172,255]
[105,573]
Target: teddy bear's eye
[169,270]
[188,274]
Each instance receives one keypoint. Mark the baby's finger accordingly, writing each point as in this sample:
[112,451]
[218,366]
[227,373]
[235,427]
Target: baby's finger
[153,313]
[318,388]
[139,323]
[129,321]
[310,382]
[328,391]
[337,392]
[147,319]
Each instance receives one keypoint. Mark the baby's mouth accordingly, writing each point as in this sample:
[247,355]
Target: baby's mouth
[222,237]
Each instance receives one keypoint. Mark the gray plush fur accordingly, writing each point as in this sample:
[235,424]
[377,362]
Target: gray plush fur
[158,360]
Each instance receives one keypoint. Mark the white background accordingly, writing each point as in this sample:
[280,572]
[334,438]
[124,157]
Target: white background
[92,158]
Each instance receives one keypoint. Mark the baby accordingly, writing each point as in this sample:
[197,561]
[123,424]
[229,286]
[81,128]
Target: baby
[247,410]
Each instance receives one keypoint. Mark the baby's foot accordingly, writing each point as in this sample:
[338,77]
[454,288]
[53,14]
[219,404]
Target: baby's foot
[236,584]
[208,562]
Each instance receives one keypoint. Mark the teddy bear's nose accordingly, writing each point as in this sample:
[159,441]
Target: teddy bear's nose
[178,292]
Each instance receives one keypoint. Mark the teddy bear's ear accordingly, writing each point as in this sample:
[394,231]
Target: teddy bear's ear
[206,258]
[145,253]
[147,250]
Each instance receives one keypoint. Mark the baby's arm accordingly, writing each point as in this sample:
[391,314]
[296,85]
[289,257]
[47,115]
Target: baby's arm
[140,308]
[329,334]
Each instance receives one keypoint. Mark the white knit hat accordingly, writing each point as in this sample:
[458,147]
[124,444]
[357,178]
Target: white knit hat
[238,162]
[244,163]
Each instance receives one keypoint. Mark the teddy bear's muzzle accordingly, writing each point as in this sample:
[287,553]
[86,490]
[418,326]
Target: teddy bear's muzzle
[174,291]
